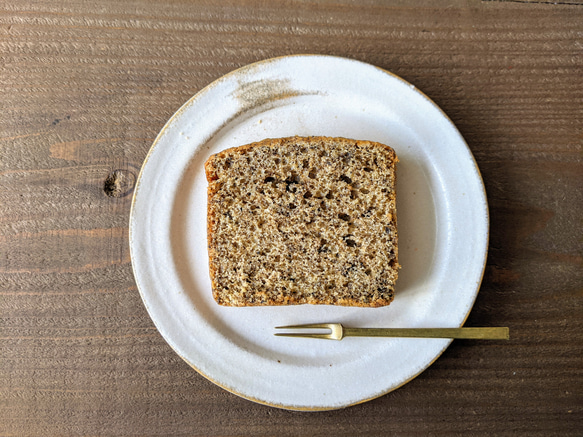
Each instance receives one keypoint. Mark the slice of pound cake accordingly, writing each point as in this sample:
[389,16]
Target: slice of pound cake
[303,220]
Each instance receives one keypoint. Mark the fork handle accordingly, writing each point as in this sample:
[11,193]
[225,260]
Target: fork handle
[459,333]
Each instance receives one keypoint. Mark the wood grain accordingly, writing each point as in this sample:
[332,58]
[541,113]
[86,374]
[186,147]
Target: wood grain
[86,86]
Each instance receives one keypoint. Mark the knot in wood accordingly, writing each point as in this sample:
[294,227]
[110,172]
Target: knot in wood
[119,183]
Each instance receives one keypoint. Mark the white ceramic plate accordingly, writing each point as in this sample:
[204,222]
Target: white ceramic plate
[442,219]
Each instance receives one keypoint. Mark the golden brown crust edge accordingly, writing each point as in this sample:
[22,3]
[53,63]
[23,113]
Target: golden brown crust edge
[211,172]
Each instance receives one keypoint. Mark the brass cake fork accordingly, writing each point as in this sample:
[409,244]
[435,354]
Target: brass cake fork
[337,332]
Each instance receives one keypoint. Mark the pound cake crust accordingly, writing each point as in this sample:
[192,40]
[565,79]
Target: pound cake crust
[303,220]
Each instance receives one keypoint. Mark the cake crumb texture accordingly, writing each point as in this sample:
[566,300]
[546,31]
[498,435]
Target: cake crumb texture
[303,220]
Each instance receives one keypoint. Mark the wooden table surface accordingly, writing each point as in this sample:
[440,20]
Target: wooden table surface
[86,86]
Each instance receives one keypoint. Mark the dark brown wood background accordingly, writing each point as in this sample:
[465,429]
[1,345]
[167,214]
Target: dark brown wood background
[86,86]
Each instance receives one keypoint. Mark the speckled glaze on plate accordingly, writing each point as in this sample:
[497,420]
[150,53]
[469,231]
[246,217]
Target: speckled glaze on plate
[442,218]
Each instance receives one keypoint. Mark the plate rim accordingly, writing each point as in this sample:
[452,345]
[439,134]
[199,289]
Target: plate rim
[216,83]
